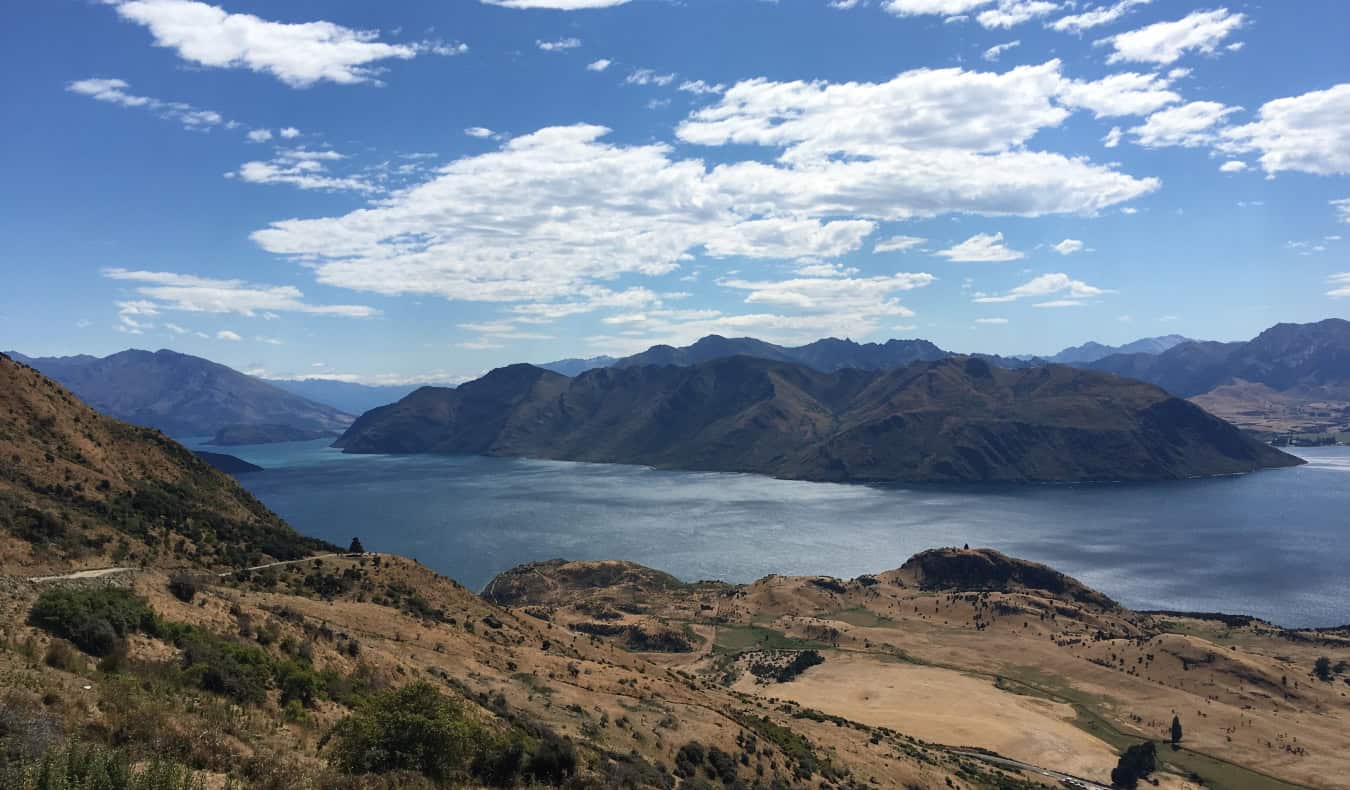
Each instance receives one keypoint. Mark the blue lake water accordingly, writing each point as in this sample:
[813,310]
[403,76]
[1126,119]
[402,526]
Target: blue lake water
[1274,544]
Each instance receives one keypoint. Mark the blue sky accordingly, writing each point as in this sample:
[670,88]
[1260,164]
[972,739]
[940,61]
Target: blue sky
[425,190]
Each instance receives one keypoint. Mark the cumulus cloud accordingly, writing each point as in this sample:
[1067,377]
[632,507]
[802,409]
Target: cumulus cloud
[298,54]
[1309,133]
[1010,13]
[478,131]
[1188,125]
[226,334]
[290,133]
[992,13]
[114,91]
[1068,247]
[1071,292]
[259,135]
[981,248]
[599,65]
[1165,42]
[1233,166]
[1126,93]
[189,293]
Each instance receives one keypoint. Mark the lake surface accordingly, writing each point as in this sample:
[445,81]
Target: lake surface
[1275,544]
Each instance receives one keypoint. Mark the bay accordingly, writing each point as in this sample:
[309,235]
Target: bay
[1275,544]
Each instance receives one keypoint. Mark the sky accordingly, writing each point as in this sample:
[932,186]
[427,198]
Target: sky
[424,190]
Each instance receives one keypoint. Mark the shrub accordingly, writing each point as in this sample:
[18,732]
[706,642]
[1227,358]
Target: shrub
[1137,762]
[414,728]
[78,767]
[1322,669]
[94,619]
[240,672]
[184,586]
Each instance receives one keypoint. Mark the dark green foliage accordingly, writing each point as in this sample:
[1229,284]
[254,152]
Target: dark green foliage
[239,671]
[78,767]
[184,586]
[1176,731]
[356,547]
[554,760]
[414,728]
[94,619]
[689,759]
[299,684]
[801,662]
[722,764]
[1137,762]
[1322,669]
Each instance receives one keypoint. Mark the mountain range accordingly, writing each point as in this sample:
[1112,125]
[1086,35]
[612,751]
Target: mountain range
[951,419]
[345,396]
[182,395]
[1092,351]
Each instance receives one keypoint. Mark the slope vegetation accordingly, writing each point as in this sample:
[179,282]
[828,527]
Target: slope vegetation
[955,419]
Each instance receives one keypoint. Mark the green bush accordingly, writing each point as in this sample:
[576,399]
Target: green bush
[414,728]
[240,672]
[78,767]
[96,620]
[1136,762]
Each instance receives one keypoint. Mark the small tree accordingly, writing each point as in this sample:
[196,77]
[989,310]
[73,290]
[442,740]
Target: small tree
[1137,762]
[356,547]
[1322,668]
[1176,732]
[184,586]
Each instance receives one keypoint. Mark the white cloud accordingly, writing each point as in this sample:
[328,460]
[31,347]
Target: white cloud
[939,7]
[259,135]
[297,54]
[897,244]
[1165,42]
[1112,138]
[1095,17]
[991,321]
[189,293]
[114,91]
[699,87]
[648,77]
[1010,13]
[1189,125]
[1126,93]
[1308,133]
[1070,291]
[865,297]
[226,334]
[559,45]
[1068,247]
[996,51]
[271,341]
[1340,285]
[1232,166]
[478,131]
[1342,208]
[981,248]
[599,65]
[176,329]
[557,5]
[290,132]
[303,168]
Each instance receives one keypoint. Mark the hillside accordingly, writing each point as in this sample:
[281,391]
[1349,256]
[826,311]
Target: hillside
[232,435]
[995,653]
[77,487]
[352,672]
[955,419]
[1290,378]
[182,395]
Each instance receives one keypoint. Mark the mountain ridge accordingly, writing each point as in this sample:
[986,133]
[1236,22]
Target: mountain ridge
[954,419]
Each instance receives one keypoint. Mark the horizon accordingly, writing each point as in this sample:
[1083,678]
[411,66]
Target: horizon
[458,188]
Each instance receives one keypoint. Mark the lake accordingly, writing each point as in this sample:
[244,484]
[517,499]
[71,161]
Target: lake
[1275,544]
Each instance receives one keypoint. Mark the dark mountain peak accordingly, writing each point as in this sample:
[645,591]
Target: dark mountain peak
[182,394]
[955,418]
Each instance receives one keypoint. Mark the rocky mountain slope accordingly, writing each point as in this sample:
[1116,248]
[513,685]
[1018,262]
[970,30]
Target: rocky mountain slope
[77,486]
[182,395]
[345,396]
[954,419]
[1291,377]
[1093,351]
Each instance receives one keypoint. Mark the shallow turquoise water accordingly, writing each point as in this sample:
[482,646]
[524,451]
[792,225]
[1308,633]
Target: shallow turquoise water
[1274,544]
